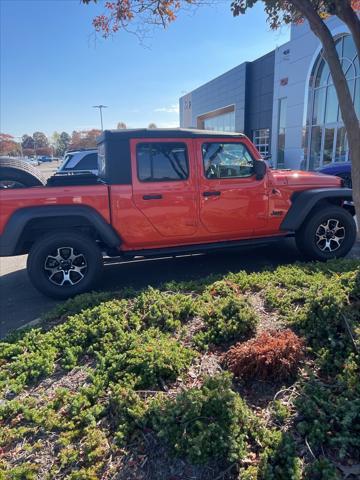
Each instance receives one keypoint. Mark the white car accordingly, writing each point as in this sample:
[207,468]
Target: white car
[80,161]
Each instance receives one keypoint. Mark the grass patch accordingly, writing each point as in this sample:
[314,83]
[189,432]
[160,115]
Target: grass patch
[120,383]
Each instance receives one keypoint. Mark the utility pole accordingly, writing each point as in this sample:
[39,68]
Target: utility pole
[100,107]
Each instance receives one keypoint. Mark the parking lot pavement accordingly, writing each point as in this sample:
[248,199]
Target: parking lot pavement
[20,303]
[49,168]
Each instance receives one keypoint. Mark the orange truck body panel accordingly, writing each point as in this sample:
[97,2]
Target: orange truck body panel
[245,207]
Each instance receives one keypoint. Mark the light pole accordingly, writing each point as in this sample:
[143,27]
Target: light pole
[100,107]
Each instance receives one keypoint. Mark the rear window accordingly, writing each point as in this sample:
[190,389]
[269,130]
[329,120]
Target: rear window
[162,162]
[88,162]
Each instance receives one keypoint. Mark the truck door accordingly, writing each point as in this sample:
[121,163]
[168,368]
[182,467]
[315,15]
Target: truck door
[232,201]
[164,184]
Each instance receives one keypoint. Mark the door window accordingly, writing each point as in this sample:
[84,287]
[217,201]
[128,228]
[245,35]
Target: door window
[162,162]
[227,160]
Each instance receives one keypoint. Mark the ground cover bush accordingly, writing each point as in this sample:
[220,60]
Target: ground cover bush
[227,316]
[211,422]
[110,379]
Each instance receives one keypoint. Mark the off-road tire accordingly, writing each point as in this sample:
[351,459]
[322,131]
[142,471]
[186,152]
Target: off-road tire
[19,174]
[309,239]
[44,259]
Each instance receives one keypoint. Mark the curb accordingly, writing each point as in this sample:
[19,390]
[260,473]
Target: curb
[32,323]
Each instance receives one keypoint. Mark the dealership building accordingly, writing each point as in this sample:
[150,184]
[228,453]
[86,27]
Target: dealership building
[284,101]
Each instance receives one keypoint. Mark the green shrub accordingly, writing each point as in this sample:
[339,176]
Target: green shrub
[27,361]
[280,412]
[162,310]
[128,413]
[226,318]
[321,469]
[211,422]
[125,341]
[25,471]
[330,416]
[278,460]
[149,358]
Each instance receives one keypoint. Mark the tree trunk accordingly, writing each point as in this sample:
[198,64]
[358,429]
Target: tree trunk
[346,13]
[351,122]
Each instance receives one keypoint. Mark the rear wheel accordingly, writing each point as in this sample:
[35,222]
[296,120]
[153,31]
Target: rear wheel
[16,173]
[329,232]
[62,265]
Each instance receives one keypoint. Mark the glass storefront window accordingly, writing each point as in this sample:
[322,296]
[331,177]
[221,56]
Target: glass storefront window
[331,105]
[319,106]
[341,145]
[261,140]
[315,148]
[349,51]
[221,123]
[328,145]
[325,133]
[281,133]
[322,74]
[357,97]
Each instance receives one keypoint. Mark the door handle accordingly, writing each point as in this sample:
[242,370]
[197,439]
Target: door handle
[211,194]
[152,197]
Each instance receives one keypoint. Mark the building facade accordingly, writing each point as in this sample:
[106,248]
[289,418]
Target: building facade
[284,101]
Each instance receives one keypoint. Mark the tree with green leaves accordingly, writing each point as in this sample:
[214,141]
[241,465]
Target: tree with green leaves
[27,141]
[62,143]
[120,13]
[40,139]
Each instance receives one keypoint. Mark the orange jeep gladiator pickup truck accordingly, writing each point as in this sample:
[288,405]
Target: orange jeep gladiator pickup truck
[168,192]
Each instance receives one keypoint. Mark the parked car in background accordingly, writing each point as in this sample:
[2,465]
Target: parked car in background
[80,160]
[33,161]
[342,170]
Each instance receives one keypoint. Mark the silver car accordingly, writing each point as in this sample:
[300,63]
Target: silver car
[80,161]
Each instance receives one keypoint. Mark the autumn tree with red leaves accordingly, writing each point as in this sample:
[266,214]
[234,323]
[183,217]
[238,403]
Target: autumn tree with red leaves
[8,146]
[119,14]
[84,139]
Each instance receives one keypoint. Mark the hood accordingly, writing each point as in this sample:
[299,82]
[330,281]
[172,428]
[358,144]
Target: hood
[300,177]
[335,168]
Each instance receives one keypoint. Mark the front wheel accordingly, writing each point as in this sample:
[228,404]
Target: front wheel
[62,265]
[329,232]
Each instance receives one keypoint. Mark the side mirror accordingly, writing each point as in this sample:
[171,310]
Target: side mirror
[259,169]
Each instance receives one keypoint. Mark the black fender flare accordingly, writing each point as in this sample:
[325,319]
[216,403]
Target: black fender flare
[14,228]
[304,202]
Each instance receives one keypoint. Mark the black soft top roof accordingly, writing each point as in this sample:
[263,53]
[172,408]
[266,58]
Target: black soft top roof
[164,133]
